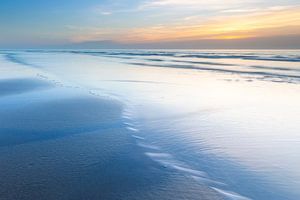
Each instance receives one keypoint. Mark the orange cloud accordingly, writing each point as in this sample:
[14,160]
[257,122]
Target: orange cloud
[260,24]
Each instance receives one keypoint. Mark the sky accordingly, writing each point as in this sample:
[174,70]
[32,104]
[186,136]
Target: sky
[150,23]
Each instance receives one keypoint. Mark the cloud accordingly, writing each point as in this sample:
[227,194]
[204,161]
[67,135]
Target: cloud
[106,13]
[173,2]
[238,24]
[197,4]
[83,33]
[259,24]
[257,9]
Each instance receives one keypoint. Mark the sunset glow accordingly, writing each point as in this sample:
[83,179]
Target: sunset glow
[146,21]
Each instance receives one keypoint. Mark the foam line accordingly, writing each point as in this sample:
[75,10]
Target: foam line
[132,129]
[128,124]
[256,73]
[189,170]
[138,137]
[158,155]
[126,117]
[230,195]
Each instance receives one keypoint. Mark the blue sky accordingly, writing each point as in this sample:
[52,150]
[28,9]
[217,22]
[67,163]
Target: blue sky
[44,22]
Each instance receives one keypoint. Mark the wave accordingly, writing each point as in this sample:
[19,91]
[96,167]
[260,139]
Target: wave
[230,195]
[203,63]
[256,73]
[210,54]
[186,54]
[244,57]
[12,57]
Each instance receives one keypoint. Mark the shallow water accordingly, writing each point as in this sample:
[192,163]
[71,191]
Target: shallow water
[176,124]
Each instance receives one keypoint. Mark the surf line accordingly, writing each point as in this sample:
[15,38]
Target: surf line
[168,161]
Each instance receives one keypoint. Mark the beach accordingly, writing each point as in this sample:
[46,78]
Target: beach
[149,124]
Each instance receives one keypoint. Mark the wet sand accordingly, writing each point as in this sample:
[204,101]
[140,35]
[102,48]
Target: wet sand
[54,145]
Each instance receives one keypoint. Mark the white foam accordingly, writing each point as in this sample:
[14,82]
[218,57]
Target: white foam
[138,137]
[189,170]
[132,129]
[128,124]
[126,117]
[158,155]
[230,194]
